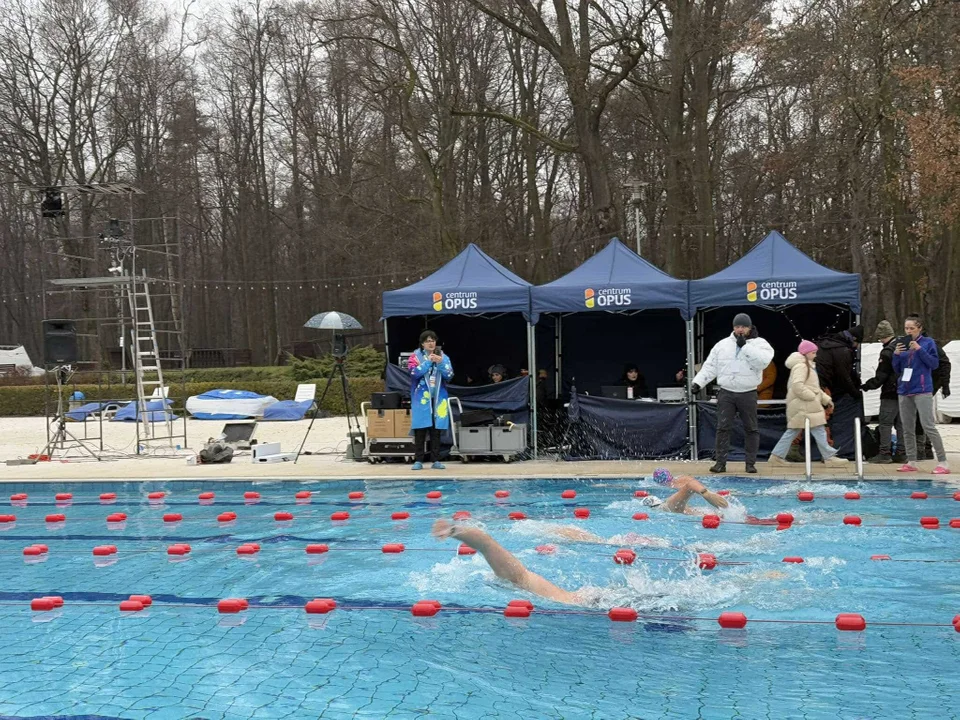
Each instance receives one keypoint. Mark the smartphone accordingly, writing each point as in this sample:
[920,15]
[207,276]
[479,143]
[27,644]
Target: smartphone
[905,341]
[438,350]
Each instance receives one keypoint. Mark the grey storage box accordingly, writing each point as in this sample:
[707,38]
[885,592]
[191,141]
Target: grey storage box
[512,439]
[474,440]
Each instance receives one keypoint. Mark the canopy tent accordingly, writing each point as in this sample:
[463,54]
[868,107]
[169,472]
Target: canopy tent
[765,283]
[614,308]
[475,286]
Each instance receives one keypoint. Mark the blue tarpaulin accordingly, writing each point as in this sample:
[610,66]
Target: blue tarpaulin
[287,410]
[775,273]
[472,283]
[607,429]
[154,412]
[616,279]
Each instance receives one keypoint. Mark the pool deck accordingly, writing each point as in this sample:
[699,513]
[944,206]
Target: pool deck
[22,436]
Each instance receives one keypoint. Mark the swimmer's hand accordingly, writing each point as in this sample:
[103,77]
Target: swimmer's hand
[442,529]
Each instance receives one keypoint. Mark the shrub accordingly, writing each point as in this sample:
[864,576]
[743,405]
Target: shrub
[362,361]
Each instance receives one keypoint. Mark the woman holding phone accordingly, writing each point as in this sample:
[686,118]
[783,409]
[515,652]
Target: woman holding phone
[430,371]
[914,360]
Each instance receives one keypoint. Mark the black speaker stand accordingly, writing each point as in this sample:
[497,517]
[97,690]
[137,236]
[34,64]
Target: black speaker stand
[61,436]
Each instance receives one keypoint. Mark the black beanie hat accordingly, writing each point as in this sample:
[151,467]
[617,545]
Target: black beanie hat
[857,332]
[743,320]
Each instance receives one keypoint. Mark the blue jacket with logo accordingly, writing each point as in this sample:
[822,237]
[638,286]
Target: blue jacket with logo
[923,362]
[429,405]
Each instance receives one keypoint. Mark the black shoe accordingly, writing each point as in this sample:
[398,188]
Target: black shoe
[881,459]
[752,469]
[899,458]
[719,467]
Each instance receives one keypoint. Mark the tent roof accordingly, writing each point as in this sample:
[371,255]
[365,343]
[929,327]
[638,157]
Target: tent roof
[615,279]
[774,272]
[472,283]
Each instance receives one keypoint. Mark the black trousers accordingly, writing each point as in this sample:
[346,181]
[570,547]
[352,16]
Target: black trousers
[729,404]
[420,441]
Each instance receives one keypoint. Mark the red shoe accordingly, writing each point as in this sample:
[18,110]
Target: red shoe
[907,467]
[941,470]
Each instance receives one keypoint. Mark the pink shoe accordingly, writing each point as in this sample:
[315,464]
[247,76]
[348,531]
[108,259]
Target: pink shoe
[907,467]
[941,470]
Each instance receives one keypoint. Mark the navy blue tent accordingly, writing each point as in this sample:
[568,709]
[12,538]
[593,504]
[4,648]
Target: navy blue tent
[472,283]
[616,279]
[775,273]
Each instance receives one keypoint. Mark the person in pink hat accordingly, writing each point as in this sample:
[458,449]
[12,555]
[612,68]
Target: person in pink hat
[805,400]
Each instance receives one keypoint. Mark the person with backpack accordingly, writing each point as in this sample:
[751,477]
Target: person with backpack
[885,379]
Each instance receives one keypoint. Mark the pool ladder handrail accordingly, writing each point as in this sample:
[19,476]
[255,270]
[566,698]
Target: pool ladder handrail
[806,448]
[858,447]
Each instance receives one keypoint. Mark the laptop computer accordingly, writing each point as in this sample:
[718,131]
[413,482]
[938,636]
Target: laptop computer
[616,392]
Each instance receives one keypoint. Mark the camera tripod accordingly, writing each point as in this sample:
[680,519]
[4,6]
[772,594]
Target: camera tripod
[339,358]
[61,436]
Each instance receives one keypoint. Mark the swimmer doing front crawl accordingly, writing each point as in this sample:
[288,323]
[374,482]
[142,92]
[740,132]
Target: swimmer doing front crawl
[506,566]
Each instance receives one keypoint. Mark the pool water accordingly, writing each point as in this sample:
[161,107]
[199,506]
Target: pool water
[371,658]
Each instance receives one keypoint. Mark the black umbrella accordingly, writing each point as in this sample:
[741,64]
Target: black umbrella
[333,321]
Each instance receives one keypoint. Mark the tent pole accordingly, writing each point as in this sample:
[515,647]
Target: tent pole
[532,380]
[692,405]
[558,355]
[386,340]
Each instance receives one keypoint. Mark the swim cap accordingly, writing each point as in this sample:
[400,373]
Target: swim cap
[662,476]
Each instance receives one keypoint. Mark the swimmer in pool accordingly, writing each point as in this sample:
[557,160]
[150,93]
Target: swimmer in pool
[686,487]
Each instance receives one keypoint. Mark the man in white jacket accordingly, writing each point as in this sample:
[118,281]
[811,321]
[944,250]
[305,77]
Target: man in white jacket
[737,364]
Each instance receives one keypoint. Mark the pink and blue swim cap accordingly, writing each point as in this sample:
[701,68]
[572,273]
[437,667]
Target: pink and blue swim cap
[662,476]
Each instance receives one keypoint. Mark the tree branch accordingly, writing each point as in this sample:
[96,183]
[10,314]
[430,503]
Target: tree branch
[557,145]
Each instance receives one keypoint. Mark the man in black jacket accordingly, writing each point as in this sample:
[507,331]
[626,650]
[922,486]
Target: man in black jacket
[885,379]
[836,362]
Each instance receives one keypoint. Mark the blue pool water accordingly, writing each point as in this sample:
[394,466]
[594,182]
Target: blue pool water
[371,658]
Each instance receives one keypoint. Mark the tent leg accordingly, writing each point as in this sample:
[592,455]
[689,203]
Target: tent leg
[532,380]
[558,354]
[691,401]
[386,339]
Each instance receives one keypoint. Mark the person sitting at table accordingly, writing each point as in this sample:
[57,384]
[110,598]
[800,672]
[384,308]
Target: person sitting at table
[498,373]
[634,381]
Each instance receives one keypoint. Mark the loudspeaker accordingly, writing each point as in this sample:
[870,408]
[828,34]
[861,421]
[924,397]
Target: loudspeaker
[60,342]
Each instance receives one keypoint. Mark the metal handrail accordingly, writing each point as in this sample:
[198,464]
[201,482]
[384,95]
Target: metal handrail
[858,445]
[806,448]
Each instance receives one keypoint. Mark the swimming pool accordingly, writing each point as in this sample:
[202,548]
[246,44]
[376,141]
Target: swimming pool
[371,658]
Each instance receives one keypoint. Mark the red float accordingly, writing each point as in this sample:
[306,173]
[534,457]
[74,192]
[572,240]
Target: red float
[784,526]
[956,496]
[283,516]
[317,549]
[108,497]
[228,516]
[303,495]
[43,548]
[232,605]
[8,518]
[706,561]
[711,521]
[57,600]
[206,496]
[930,522]
[178,549]
[568,494]
[785,518]
[320,606]
[42,604]
[517,516]
[466,550]
[641,516]
[251,495]
[851,622]
[340,515]
[104,550]
[732,620]
[793,559]
[157,495]
[144,600]
[425,608]
[32,551]
[852,495]
[641,493]
[723,492]
[56,518]
[401,516]
[581,513]
[521,603]
[117,517]
[393,548]
[355,495]
[172,517]
[461,515]
[622,614]
[131,606]
[918,495]
[20,497]
[434,495]
[248,549]
[852,520]
[63,496]
[805,496]
[516,611]
[502,494]
[955,523]
[879,557]
[546,549]
[624,556]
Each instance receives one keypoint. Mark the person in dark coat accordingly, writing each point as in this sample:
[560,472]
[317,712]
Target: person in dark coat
[634,380]
[885,379]
[836,363]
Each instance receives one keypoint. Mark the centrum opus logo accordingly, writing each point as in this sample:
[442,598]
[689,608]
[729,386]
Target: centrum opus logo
[772,290]
[454,301]
[606,297]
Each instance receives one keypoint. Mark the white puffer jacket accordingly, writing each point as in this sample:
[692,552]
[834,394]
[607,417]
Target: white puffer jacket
[736,371]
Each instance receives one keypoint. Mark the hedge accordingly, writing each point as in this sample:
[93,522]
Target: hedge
[28,400]
[198,375]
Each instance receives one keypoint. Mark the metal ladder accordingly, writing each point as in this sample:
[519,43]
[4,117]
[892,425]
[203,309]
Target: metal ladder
[146,359]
